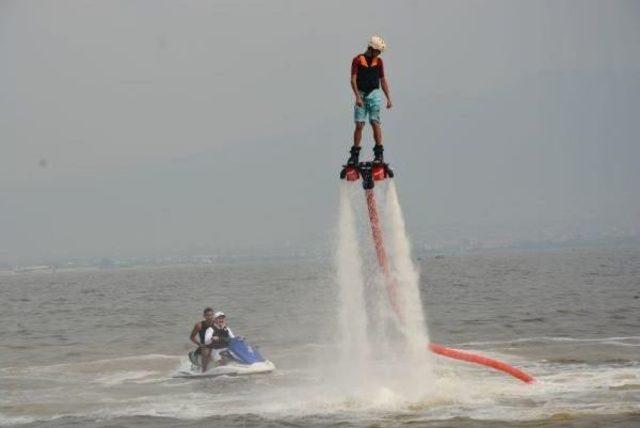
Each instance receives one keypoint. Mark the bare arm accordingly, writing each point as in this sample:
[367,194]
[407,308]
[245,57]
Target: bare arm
[194,333]
[354,87]
[385,89]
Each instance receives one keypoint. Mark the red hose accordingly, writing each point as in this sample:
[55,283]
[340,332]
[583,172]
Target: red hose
[381,253]
[480,359]
[383,261]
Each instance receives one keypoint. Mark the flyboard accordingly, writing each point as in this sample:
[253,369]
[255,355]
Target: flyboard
[370,173]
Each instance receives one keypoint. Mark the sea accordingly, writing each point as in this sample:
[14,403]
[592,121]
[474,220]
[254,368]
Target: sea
[101,348]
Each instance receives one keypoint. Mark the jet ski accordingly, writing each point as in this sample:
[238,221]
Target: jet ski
[238,359]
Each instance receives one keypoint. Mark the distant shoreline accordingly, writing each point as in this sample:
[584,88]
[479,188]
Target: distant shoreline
[106,264]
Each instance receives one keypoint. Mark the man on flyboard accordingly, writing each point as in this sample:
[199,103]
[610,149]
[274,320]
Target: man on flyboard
[367,78]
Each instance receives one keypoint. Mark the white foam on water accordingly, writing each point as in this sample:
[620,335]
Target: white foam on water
[458,390]
[109,371]
[126,376]
[15,420]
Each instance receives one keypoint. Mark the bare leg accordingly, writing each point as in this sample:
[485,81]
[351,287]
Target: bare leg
[357,134]
[205,356]
[377,133]
[216,357]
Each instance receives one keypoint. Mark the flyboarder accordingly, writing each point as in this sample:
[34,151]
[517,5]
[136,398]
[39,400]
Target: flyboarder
[367,77]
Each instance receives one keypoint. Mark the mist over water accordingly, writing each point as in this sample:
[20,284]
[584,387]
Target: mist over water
[383,353]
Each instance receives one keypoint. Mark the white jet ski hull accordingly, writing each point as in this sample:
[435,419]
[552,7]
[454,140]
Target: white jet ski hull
[228,370]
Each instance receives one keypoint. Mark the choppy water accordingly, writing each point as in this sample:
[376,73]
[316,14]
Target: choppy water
[99,348]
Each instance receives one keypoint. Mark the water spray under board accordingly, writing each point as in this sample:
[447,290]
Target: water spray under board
[370,173]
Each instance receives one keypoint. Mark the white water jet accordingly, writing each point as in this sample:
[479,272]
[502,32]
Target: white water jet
[407,280]
[380,352]
[354,345]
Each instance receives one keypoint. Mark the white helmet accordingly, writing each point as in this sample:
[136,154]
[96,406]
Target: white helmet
[376,42]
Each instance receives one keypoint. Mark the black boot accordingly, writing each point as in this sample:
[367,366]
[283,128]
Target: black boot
[378,151]
[355,155]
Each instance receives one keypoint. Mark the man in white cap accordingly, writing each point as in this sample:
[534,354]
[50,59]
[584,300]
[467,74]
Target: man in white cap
[221,336]
[367,77]
[211,335]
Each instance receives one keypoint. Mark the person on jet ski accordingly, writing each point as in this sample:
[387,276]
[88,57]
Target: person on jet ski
[204,331]
[221,335]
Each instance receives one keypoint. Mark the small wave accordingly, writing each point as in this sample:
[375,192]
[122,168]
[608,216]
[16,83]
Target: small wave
[125,376]
[6,420]
[92,370]
[104,361]
[536,319]
[627,387]
[617,340]
[589,361]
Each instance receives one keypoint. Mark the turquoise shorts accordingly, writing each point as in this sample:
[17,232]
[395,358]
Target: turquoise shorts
[372,106]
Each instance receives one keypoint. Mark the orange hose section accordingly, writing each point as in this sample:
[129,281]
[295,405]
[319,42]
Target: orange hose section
[480,359]
[383,261]
[457,354]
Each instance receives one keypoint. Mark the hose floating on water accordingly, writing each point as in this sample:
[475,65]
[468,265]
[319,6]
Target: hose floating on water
[383,261]
[480,359]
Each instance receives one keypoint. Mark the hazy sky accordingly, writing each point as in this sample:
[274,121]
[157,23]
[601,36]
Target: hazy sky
[159,127]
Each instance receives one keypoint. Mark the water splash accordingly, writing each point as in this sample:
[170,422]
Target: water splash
[382,352]
[353,318]
[408,284]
